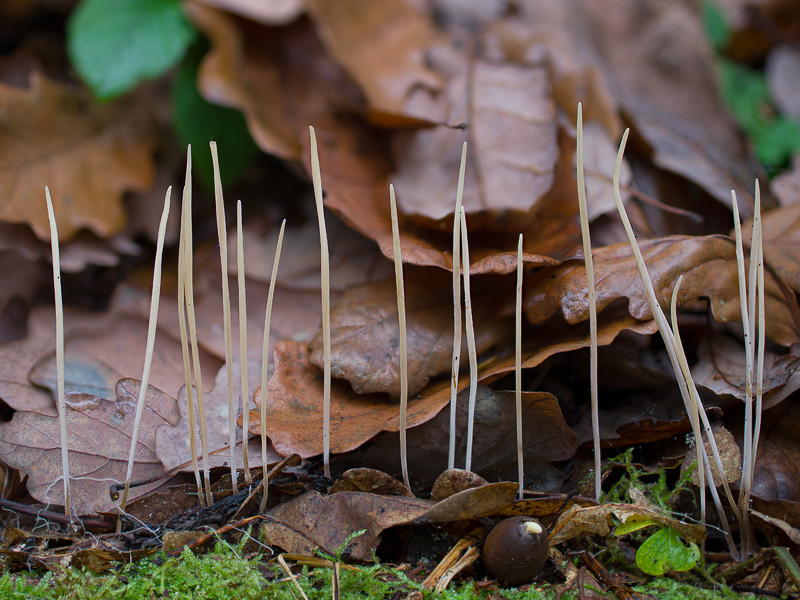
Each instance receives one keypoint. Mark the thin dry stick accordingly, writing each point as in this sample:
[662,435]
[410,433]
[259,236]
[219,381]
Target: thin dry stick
[62,403]
[401,318]
[243,341]
[265,362]
[326,307]
[470,330]
[222,236]
[587,254]
[187,369]
[151,341]
[518,369]
[288,571]
[451,456]
[688,396]
[188,283]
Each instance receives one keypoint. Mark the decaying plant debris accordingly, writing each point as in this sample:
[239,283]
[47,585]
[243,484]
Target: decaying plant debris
[347,387]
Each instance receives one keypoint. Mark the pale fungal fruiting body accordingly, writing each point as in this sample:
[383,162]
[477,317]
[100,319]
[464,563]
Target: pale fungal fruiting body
[470,330]
[264,363]
[187,370]
[587,254]
[188,285]
[683,375]
[751,300]
[243,340]
[401,318]
[456,365]
[326,307]
[222,236]
[516,550]
[151,340]
[62,403]
[518,369]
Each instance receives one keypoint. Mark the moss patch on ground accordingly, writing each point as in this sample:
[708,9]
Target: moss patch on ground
[224,575]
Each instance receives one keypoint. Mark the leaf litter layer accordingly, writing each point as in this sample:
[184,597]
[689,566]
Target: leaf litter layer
[507,84]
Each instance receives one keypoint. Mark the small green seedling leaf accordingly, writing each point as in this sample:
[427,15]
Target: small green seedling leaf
[633,523]
[665,551]
[115,45]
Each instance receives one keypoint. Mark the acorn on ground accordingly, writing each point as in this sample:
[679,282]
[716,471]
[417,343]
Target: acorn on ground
[516,550]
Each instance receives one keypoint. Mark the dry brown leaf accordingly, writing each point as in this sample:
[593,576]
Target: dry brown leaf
[172,440]
[371,481]
[721,369]
[353,258]
[781,239]
[546,437]
[365,333]
[294,414]
[280,78]
[312,521]
[708,265]
[654,63]
[88,153]
[99,434]
[596,520]
[382,45]
[513,138]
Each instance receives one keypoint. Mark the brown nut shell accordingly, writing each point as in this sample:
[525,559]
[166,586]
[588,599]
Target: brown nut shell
[516,550]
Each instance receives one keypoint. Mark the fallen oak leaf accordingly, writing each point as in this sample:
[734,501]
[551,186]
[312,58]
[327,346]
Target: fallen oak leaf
[99,439]
[382,46]
[546,438]
[172,439]
[294,413]
[88,153]
[312,521]
[708,266]
[596,520]
[365,330]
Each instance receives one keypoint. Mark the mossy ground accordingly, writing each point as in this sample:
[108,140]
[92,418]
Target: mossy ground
[224,575]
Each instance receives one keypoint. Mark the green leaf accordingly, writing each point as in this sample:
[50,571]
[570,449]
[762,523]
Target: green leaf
[633,523]
[197,122]
[665,551]
[716,24]
[115,44]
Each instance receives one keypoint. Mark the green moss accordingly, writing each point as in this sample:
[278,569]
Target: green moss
[225,575]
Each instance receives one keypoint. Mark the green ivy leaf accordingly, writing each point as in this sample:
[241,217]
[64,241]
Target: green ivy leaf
[665,551]
[197,122]
[115,44]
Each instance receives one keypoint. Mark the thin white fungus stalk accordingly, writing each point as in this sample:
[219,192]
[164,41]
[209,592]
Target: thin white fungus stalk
[188,284]
[187,369]
[748,351]
[243,341]
[401,319]
[265,363]
[456,368]
[326,307]
[151,341]
[695,415]
[222,236]
[690,398]
[62,402]
[518,370]
[587,254]
[470,330]
[759,240]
